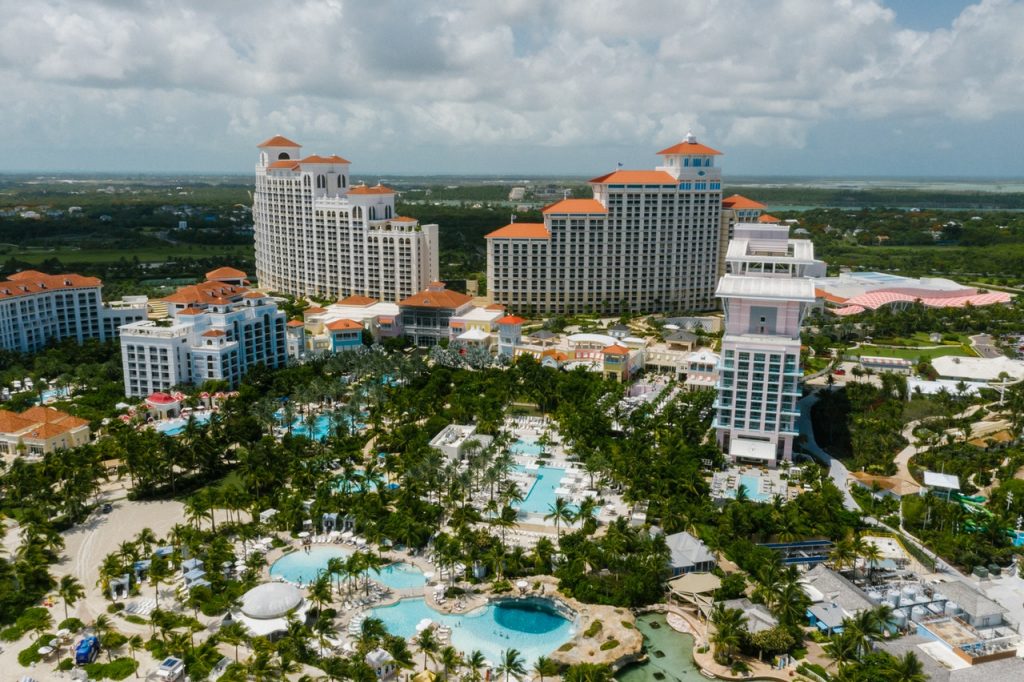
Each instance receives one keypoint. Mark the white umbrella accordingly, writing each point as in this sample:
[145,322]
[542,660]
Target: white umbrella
[423,624]
[63,632]
[45,650]
[428,574]
[304,534]
[522,584]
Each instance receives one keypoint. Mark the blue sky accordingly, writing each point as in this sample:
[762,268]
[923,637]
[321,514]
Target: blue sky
[782,87]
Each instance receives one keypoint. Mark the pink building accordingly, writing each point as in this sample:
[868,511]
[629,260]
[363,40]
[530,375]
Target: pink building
[765,295]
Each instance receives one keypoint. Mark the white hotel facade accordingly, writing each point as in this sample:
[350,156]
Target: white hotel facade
[318,235]
[647,241]
[766,295]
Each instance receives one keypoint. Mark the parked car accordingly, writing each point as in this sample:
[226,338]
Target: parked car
[87,650]
[840,372]
[107,508]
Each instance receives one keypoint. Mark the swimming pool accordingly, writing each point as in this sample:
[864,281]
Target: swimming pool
[323,426]
[173,427]
[669,654]
[301,567]
[542,494]
[525,447]
[531,625]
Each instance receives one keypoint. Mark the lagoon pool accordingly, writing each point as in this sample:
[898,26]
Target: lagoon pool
[301,567]
[173,427]
[669,654]
[532,626]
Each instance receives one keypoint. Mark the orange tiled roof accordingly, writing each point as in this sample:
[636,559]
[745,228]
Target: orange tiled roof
[403,219]
[44,422]
[576,206]
[357,300]
[520,231]
[494,306]
[636,177]
[511,319]
[214,333]
[767,218]
[314,310]
[254,294]
[296,323]
[615,349]
[342,325]
[740,201]
[190,311]
[226,273]
[831,298]
[436,298]
[33,282]
[333,158]
[278,141]
[206,293]
[376,189]
[290,164]
[695,148]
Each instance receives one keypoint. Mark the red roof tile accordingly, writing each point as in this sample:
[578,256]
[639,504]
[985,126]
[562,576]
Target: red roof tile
[436,298]
[216,293]
[576,206]
[520,231]
[278,141]
[342,325]
[694,148]
[334,158]
[376,189]
[225,273]
[615,350]
[511,319]
[636,177]
[740,201]
[357,300]
[32,282]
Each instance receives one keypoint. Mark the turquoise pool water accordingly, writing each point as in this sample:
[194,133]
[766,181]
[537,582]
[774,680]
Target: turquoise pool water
[172,427]
[531,626]
[542,494]
[525,447]
[669,654]
[304,567]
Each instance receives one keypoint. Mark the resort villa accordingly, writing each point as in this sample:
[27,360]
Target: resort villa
[40,430]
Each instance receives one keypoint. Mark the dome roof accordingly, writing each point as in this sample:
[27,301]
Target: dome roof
[271,600]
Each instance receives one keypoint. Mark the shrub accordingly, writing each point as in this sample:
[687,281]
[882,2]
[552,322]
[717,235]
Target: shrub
[72,624]
[610,644]
[626,624]
[115,607]
[566,647]
[594,628]
[138,620]
[118,669]
[29,620]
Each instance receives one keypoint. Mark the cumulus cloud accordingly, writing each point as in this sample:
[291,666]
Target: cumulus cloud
[358,77]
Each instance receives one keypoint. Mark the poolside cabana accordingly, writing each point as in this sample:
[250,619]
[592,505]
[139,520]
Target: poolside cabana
[163,406]
[267,514]
[696,591]
[328,522]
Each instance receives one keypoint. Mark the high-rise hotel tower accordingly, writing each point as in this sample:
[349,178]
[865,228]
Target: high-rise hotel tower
[648,241]
[319,235]
[765,294]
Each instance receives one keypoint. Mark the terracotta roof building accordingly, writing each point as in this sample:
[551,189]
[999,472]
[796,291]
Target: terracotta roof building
[216,331]
[40,430]
[36,308]
[647,241]
[318,235]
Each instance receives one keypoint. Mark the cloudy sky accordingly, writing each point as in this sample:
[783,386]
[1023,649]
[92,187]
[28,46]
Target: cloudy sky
[793,87]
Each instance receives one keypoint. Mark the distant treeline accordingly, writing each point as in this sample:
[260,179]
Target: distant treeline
[853,198]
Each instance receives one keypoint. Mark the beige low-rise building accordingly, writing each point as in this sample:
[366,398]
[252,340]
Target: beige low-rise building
[40,430]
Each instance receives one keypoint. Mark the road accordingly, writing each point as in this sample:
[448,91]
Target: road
[985,346]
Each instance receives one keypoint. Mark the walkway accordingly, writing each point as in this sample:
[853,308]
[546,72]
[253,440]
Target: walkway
[836,470]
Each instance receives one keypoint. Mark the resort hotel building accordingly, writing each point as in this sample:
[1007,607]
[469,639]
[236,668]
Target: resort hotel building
[765,294]
[647,241]
[319,235]
[214,331]
[36,308]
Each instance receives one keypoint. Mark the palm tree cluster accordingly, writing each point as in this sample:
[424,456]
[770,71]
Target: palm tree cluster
[853,653]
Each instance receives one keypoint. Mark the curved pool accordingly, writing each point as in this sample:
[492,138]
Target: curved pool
[532,626]
[301,568]
[669,654]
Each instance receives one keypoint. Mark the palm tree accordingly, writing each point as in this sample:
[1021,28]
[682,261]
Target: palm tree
[730,624]
[70,591]
[544,667]
[842,648]
[475,662]
[907,669]
[451,660]
[428,644]
[511,664]
[233,633]
[561,512]
[135,642]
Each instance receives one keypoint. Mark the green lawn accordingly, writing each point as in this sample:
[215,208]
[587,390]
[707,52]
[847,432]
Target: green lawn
[921,339]
[911,353]
[147,254]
